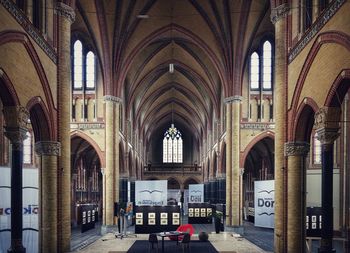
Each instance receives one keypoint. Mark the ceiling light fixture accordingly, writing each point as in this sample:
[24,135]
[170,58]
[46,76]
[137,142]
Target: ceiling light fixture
[142,16]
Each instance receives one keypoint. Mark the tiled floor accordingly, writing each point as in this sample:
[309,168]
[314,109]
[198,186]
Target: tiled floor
[92,242]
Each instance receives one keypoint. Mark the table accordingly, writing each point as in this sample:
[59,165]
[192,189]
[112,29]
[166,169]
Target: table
[168,234]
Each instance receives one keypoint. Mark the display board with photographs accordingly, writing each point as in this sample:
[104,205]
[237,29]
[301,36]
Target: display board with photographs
[153,219]
[87,215]
[313,221]
[200,213]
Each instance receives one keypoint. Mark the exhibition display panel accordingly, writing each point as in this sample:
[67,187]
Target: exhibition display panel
[87,216]
[313,221]
[200,213]
[154,219]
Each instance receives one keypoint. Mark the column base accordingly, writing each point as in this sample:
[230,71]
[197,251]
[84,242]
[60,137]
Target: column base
[105,229]
[20,249]
[235,229]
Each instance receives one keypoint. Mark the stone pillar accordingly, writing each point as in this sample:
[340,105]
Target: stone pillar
[112,158]
[327,129]
[278,17]
[66,17]
[236,171]
[16,119]
[296,153]
[228,162]
[48,152]
[103,209]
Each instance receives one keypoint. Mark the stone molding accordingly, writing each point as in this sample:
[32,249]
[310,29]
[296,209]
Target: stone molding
[50,148]
[296,148]
[66,11]
[16,116]
[315,28]
[233,99]
[20,17]
[279,12]
[327,117]
[113,99]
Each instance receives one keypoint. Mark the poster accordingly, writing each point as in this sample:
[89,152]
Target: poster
[151,192]
[196,193]
[264,202]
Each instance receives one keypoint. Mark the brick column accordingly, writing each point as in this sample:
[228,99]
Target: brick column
[16,118]
[278,17]
[228,162]
[66,17]
[296,153]
[112,158]
[327,129]
[48,152]
[236,171]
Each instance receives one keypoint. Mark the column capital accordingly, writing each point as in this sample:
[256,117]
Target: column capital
[16,135]
[327,135]
[327,117]
[64,10]
[279,12]
[233,99]
[112,99]
[16,116]
[296,148]
[50,148]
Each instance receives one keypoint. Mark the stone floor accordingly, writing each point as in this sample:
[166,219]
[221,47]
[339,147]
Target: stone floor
[223,242]
[92,242]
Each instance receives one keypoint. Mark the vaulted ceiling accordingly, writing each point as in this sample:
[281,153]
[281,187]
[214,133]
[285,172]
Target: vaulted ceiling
[206,40]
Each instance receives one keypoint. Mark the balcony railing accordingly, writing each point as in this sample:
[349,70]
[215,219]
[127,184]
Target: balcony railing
[172,168]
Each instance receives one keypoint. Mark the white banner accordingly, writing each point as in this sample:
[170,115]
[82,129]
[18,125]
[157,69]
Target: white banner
[264,203]
[30,209]
[151,193]
[195,193]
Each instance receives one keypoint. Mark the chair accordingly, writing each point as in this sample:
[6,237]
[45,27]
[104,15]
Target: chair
[186,243]
[152,239]
[188,228]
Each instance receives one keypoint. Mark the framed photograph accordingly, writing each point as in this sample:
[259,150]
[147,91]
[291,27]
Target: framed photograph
[190,210]
[163,221]
[164,215]
[139,222]
[89,213]
[176,221]
[84,221]
[307,225]
[152,221]
[84,214]
[196,210]
[307,218]
[89,219]
[320,218]
[176,215]
[320,225]
[139,215]
[313,225]
[196,214]
[190,214]
[93,217]
[203,214]
[313,218]
[203,210]
[209,210]
[151,215]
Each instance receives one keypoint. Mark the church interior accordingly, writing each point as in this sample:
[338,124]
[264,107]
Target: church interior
[96,95]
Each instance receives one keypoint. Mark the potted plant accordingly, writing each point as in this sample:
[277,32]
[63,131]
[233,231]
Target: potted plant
[217,220]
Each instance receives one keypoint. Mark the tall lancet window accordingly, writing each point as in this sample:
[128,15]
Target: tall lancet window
[172,146]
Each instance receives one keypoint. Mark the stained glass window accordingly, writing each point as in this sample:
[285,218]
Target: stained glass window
[27,149]
[172,146]
[78,65]
[90,70]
